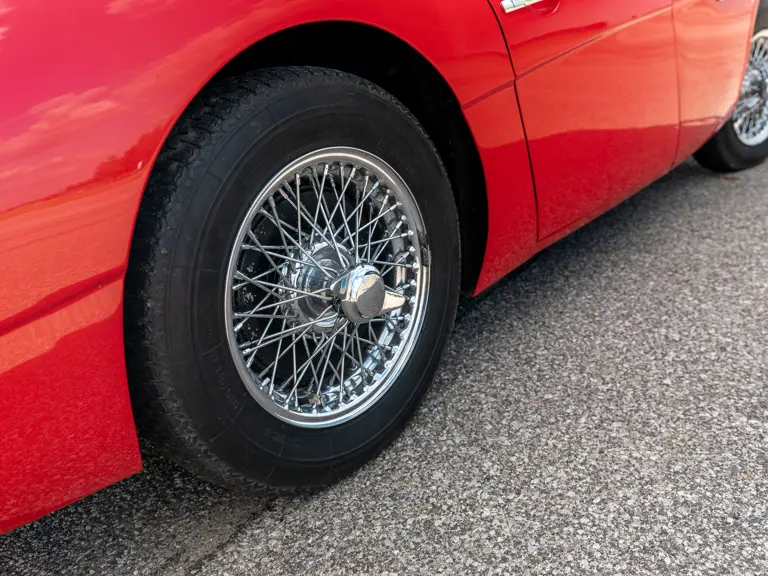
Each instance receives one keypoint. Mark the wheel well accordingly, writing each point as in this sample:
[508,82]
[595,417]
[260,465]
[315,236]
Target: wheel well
[391,63]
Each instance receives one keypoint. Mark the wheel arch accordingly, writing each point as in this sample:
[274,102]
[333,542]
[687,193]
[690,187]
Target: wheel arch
[392,63]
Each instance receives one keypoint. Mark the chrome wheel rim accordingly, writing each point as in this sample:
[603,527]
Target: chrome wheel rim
[326,287]
[750,117]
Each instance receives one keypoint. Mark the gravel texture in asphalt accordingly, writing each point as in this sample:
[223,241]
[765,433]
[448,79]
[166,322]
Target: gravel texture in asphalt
[603,411]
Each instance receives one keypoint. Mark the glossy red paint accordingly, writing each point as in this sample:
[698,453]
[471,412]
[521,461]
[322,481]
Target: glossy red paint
[711,36]
[499,136]
[99,114]
[88,112]
[67,426]
[91,106]
[597,82]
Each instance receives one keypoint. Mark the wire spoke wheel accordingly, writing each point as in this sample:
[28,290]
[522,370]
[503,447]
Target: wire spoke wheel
[326,287]
[750,117]
[288,300]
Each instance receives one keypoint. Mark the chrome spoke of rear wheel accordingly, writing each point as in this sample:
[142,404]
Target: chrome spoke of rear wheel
[326,287]
[750,116]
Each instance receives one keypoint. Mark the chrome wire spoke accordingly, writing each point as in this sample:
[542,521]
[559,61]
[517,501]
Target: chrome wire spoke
[354,214]
[275,267]
[282,223]
[382,347]
[280,302]
[373,222]
[307,255]
[248,280]
[279,225]
[345,218]
[319,194]
[373,341]
[356,367]
[388,265]
[301,370]
[299,212]
[312,364]
[303,328]
[360,361]
[274,364]
[338,206]
[267,285]
[285,257]
[389,238]
[367,253]
[320,380]
[322,208]
[358,206]
[326,288]
[256,308]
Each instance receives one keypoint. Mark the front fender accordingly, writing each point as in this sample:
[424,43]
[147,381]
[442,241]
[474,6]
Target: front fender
[94,89]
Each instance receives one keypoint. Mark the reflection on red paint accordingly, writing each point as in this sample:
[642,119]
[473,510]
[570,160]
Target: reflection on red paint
[64,436]
[500,140]
[602,116]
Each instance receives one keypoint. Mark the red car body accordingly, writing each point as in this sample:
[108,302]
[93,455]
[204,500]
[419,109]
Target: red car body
[575,106]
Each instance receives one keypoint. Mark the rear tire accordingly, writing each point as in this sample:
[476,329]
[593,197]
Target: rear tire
[193,395]
[725,151]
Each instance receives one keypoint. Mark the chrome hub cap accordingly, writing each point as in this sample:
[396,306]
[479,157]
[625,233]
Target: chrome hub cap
[326,287]
[363,294]
[750,117]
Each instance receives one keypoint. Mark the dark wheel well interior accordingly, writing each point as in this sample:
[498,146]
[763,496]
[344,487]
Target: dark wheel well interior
[395,66]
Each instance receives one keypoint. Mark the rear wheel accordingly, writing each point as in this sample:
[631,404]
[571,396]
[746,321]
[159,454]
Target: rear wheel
[293,279]
[743,141]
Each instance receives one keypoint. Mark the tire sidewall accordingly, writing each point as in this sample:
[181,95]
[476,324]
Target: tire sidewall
[739,154]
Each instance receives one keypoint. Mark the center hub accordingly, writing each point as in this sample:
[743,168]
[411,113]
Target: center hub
[309,278]
[362,292]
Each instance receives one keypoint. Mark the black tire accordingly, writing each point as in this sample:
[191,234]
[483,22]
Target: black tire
[724,152]
[188,397]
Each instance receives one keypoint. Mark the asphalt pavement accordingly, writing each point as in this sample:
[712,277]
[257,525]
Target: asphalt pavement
[603,411]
